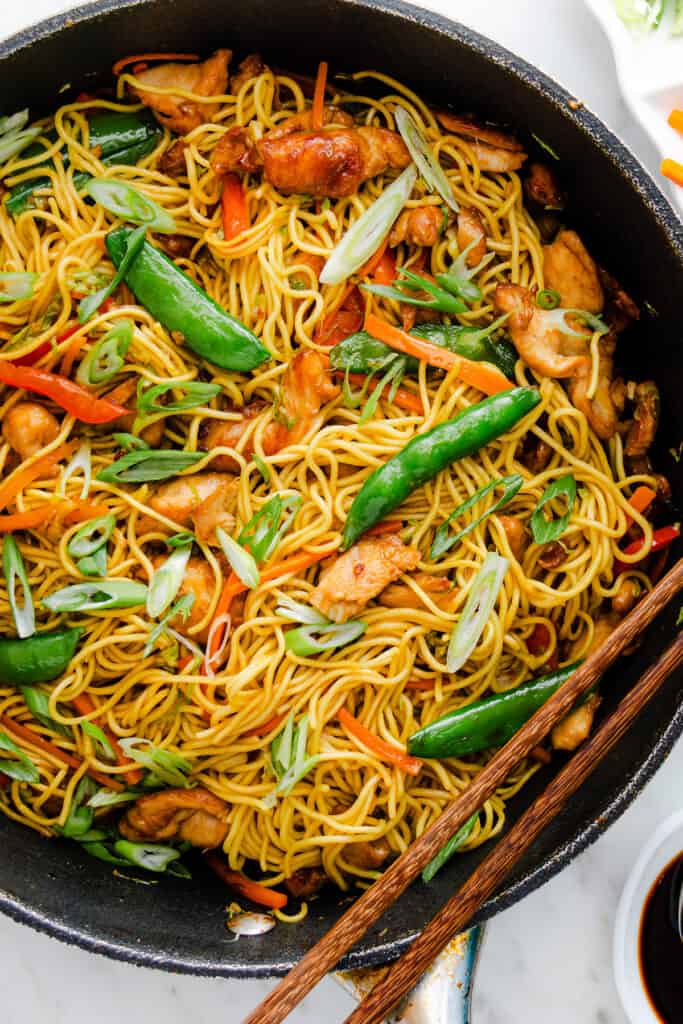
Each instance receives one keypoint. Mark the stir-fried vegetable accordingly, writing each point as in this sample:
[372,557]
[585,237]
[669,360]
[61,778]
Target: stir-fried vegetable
[106,358]
[548,298]
[73,398]
[383,750]
[19,767]
[265,530]
[38,703]
[458,279]
[165,767]
[557,318]
[177,302]
[260,894]
[661,539]
[91,303]
[14,142]
[235,215]
[444,541]
[289,760]
[306,641]
[99,596]
[183,606]
[429,453]
[481,601]
[364,236]
[129,203]
[79,463]
[17,286]
[143,466]
[429,167]
[450,848]
[37,659]
[13,565]
[241,561]
[193,393]
[13,122]
[166,581]
[441,300]
[544,529]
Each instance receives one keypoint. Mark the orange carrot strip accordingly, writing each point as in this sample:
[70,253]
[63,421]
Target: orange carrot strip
[404,399]
[318,109]
[260,894]
[672,170]
[70,355]
[84,511]
[27,520]
[385,751]
[41,467]
[676,120]
[478,375]
[640,500]
[420,684]
[263,730]
[234,207]
[49,748]
[136,58]
[84,705]
[386,526]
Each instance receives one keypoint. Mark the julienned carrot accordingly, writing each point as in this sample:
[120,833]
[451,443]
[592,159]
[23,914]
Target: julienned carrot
[84,705]
[234,207]
[266,727]
[672,170]
[138,57]
[49,748]
[318,109]
[260,894]
[420,684]
[640,500]
[83,511]
[386,526]
[676,120]
[385,271]
[23,477]
[478,375]
[27,520]
[403,398]
[384,751]
[72,351]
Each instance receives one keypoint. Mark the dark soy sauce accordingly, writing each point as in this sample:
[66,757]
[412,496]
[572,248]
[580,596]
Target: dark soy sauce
[661,948]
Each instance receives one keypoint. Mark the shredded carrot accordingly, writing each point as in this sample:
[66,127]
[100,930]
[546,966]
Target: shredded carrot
[318,109]
[385,271]
[404,399]
[84,511]
[478,375]
[27,520]
[676,120]
[672,170]
[84,706]
[260,894]
[386,526]
[420,684]
[266,727]
[234,207]
[70,355]
[137,57]
[640,500]
[49,748]
[385,751]
[10,487]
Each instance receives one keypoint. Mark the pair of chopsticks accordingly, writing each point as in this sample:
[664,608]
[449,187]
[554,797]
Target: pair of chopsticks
[457,912]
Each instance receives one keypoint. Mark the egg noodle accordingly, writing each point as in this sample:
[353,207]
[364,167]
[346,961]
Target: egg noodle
[220,724]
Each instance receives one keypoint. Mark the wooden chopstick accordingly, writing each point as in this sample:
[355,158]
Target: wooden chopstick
[398,876]
[486,878]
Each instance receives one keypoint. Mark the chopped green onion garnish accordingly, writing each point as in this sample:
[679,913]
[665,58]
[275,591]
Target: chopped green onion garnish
[306,641]
[193,393]
[299,612]
[128,203]
[38,703]
[91,536]
[97,735]
[442,301]
[183,606]
[150,856]
[166,581]
[556,318]
[80,461]
[548,298]
[106,358]
[13,565]
[263,467]
[429,167]
[14,122]
[168,768]
[241,561]
[16,286]
[443,541]
[480,603]
[447,851]
[20,767]
[142,466]
[545,530]
[130,442]
[91,303]
[98,596]
[264,531]
[12,143]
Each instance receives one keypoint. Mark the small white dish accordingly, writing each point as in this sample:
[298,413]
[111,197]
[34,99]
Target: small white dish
[664,846]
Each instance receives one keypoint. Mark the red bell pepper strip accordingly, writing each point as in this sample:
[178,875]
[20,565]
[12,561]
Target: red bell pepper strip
[660,539]
[234,207]
[74,399]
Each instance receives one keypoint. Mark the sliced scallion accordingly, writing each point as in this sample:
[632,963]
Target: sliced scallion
[13,142]
[544,530]
[153,464]
[106,358]
[451,847]
[17,286]
[480,603]
[264,531]
[443,541]
[170,768]
[241,561]
[193,393]
[150,856]
[80,462]
[20,767]
[306,641]
[13,565]
[100,596]
[183,606]
[128,203]
[166,581]
[430,169]
[91,303]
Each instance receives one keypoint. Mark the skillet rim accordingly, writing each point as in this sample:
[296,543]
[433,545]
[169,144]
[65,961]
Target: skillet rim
[660,210]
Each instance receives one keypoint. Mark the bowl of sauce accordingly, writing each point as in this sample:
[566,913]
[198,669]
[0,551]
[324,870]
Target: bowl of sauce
[648,948]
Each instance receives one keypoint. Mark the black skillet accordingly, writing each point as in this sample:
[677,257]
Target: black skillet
[631,229]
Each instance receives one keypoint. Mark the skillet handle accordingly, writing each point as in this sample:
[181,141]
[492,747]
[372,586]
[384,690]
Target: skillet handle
[443,994]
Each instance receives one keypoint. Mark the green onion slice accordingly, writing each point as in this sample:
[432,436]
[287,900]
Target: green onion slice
[264,531]
[167,768]
[13,142]
[451,847]
[548,298]
[557,318]
[366,234]
[194,393]
[13,565]
[98,737]
[91,303]
[429,167]
[288,758]
[111,798]
[128,203]
[306,641]
[241,561]
[95,564]
[80,818]
[81,461]
[480,603]
[263,467]
[142,466]
[17,286]
[150,856]
[14,122]
[130,442]
[443,541]
[183,606]
[166,581]
[98,596]
[545,530]
[91,536]
[299,612]
[38,703]
[20,767]
[458,279]
[442,301]
[106,358]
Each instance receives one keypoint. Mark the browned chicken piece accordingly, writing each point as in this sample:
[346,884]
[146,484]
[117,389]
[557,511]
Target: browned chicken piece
[626,596]
[27,427]
[495,150]
[534,453]
[542,187]
[306,387]
[552,555]
[570,270]
[600,410]
[181,498]
[516,533]
[172,160]
[250,67]
[642,431]
[176,246]
[439,588]
[368,855]
[199,581]
[471,231]
[187,815]
[305,882]
[122,394]
[421,225]
[541,345]
[620,309]
[180,115]
[360,574]
[576,727]
[217,509]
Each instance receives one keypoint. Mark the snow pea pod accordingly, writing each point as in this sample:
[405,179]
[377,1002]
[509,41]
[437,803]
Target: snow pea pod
[38,658]
[427,454]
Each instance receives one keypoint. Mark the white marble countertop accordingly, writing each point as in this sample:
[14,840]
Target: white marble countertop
[547,959]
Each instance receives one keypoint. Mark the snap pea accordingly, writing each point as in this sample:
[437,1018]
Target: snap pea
[490,722]
[427,454]
[38,658]
[122,137]
[179,304]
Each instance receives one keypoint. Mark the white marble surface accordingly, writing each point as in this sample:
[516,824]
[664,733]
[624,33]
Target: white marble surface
[548,959]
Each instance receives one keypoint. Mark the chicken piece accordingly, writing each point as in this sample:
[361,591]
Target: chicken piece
[210,78]
[600,410]
[552,555]
[495,151]
[516,533]
[250,67]
[576,727]
[305,882]
[642,431]
[401,595]
[471,231]
[422,225]
[217,509]
[570,270]
[620,309]
[193,816]
[176,246]
[172,161]
[27,427]
[542,187]
[306,387]
[122,394]
[360,574]
[368,855]
[541,345]
[626,596]
[534,453]
[199,581]
[181,498]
